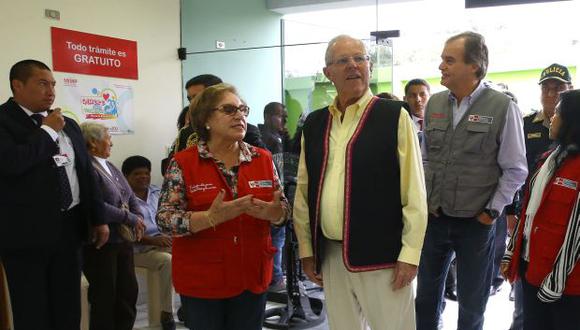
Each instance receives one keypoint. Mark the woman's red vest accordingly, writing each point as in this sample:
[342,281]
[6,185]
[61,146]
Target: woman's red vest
[237,255]
[549,227]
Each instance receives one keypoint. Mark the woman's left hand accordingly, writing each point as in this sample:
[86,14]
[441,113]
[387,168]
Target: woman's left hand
[271,211]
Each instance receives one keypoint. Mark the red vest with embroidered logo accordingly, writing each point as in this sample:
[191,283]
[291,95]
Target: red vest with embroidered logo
[549,227]
[237,255]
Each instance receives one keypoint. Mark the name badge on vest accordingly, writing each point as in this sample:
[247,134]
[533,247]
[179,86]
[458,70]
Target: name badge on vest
[201,187]
[261,184]
[61,160]
[535,135]
[567,183]
[480,119]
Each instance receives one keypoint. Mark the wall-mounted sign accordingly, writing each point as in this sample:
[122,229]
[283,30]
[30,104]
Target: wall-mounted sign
[91,54]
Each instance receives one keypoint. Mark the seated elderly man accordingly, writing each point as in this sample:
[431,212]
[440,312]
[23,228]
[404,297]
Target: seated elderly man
[154,250]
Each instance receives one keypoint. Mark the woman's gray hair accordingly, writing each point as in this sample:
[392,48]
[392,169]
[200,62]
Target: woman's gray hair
[93,132]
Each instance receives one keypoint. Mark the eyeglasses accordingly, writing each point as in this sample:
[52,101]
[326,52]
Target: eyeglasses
[231,110]
[358,59]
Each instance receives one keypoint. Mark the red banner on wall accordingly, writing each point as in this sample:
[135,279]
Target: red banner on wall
[92,54]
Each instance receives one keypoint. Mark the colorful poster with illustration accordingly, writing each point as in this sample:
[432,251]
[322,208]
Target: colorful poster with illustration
[107,102]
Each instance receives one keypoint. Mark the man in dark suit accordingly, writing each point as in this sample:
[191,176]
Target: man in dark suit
[48,203]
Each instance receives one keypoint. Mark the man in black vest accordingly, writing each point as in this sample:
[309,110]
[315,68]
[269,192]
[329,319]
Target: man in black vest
[475,161]
[360,209]
[49,202]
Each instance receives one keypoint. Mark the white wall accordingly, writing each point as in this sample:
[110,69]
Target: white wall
[153,24]
[240,24]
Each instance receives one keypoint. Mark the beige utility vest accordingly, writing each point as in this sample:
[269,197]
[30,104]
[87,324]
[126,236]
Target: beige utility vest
[462,172]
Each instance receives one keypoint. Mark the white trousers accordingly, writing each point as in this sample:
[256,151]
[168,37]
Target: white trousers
[159,259]
[355,300]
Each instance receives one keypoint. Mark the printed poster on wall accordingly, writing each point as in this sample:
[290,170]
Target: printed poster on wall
[99,100]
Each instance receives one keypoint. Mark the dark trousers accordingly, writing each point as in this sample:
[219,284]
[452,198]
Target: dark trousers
[563,314]
[242,312]
[44,284]
[113,287]
[472,243]
[518,315]
[499,249]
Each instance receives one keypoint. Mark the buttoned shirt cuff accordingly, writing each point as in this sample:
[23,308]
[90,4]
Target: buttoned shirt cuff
[305,250]
[53,134]
[410,256]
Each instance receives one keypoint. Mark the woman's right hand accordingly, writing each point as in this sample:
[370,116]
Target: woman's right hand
[221,211]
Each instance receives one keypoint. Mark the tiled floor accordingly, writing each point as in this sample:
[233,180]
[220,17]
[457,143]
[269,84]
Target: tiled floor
[498,315]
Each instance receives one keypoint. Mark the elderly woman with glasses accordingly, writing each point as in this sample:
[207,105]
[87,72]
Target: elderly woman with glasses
[110,270]
[219,199]
[545,249]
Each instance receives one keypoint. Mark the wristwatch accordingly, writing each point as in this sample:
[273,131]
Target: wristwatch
[494,214]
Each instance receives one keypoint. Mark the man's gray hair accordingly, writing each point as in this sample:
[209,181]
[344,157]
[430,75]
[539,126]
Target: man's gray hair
[328,55]
[93,132]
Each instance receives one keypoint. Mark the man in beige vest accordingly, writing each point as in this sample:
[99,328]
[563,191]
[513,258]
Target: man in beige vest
[475,160]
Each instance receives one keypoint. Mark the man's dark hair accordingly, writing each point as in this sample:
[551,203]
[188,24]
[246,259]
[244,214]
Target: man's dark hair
[388,96]
[475,51]
[270,108]
[415,82]
[134,162]
[181,118]
[22,70]
[203,79]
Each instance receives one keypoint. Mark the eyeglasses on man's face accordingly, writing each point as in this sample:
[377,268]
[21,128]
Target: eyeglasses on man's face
[231,110]
[357,59]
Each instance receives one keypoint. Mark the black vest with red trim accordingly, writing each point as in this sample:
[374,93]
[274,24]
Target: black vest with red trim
[237,255]
[372,224]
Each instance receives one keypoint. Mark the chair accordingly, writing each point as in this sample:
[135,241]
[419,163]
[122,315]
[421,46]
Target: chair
[153,304]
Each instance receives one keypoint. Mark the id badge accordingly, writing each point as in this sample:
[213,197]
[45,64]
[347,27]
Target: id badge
[61,160]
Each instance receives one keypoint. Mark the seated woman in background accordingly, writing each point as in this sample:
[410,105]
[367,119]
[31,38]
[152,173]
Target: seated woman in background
[110,270]
[545,252]
[219,199]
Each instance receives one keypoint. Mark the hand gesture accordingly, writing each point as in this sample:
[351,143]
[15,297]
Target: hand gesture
[221,211]
[403,275]
[271,211]
[310,270]
[54,120]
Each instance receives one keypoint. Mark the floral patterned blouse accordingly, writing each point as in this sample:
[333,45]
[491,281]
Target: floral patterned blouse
[172,215]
